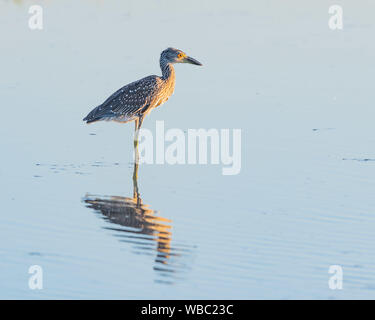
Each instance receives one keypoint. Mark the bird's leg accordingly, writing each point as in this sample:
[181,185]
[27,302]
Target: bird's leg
[136,132]
[138,124]
[140,121]
[135,181]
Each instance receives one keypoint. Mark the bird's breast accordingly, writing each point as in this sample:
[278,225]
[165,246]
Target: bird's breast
[166,91]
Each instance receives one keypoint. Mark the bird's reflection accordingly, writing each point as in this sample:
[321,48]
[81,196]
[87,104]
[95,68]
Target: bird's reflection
[140,226]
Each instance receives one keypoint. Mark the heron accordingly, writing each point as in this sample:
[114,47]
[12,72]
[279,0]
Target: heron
[135,100]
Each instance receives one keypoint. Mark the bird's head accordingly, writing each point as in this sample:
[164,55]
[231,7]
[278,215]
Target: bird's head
[172,55]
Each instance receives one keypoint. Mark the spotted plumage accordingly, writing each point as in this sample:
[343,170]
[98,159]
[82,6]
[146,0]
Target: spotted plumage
[135,100]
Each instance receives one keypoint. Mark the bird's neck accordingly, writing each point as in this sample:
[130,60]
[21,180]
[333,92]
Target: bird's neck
[167,70]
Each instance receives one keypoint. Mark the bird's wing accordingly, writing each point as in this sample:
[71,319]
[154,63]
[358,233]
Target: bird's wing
[127,102]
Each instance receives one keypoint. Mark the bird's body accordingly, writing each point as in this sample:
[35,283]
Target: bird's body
[135,100]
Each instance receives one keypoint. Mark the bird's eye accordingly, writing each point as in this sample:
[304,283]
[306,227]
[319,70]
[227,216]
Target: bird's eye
[180,55]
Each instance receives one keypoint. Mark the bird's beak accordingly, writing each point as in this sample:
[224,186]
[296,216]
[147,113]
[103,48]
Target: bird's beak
[192,61]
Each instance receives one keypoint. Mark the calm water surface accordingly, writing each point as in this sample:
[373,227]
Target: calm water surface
[302,94]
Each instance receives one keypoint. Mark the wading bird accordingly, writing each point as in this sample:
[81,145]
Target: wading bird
[135,100]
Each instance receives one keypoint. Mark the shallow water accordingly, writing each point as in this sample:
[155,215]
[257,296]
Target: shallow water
[302,95]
